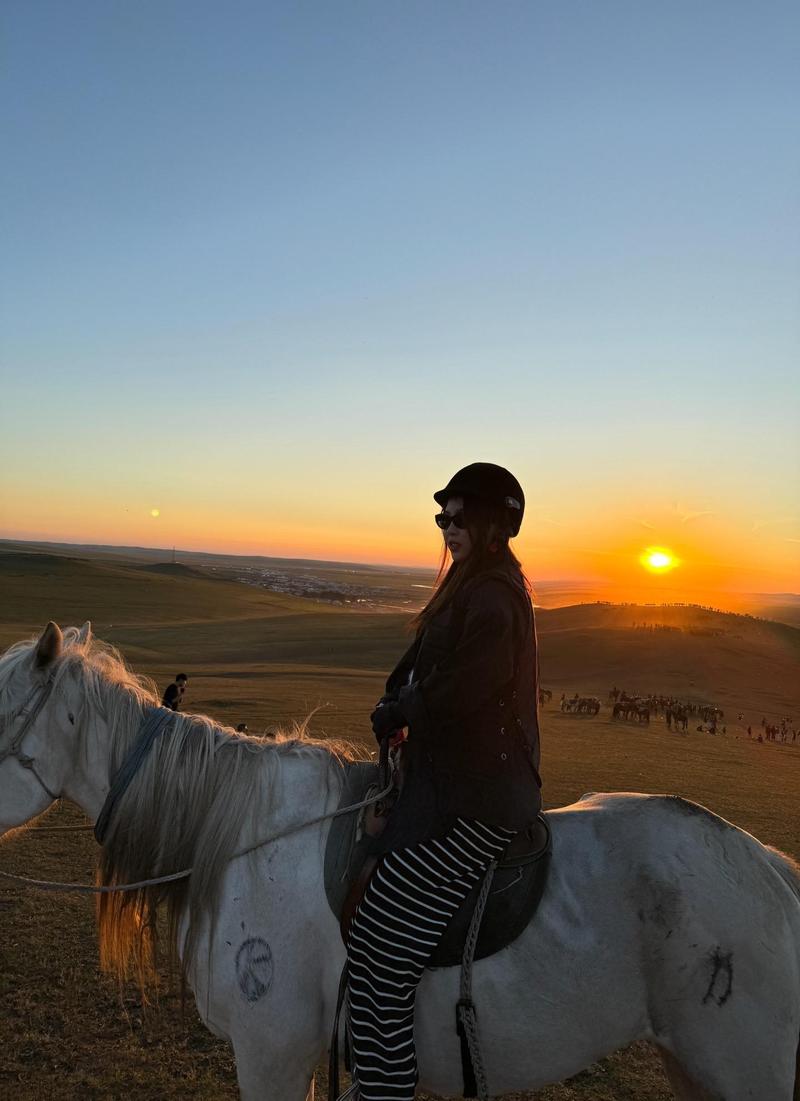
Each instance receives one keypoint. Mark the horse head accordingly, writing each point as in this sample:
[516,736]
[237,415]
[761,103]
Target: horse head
[40,710]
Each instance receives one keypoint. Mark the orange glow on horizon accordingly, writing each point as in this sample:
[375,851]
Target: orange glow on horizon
[592,548]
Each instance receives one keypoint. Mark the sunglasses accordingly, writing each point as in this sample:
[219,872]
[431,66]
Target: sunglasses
[445,519]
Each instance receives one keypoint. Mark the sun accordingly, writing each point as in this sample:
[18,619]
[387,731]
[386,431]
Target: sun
[658,560]
[155,513]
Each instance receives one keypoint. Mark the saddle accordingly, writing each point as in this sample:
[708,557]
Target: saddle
[516,889]
[500,906]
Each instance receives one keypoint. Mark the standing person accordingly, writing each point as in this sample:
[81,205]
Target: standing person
[173,693]
[467,692]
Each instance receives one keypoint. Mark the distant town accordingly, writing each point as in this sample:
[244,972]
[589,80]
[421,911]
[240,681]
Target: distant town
[328,590]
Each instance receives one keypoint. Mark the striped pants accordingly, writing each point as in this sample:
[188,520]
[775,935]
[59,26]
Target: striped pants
[404,912]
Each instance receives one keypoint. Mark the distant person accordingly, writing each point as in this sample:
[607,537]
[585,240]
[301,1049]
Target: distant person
[174,692]
[749,732]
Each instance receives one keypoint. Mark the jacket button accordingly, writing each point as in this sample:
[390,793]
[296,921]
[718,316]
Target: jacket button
[519,722]
[502,730]
[503,756]
[502,703]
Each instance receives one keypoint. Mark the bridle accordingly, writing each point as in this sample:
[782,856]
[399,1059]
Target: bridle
[31,708]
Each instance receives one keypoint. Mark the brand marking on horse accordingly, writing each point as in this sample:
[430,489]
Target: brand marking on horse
[254,968]
[720,987]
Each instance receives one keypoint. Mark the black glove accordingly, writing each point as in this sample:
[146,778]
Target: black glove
[387,718]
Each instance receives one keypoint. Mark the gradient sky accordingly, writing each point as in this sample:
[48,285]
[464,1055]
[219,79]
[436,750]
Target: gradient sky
[277,270]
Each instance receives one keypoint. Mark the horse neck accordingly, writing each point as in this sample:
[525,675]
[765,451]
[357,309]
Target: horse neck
[308,786]
[102,735]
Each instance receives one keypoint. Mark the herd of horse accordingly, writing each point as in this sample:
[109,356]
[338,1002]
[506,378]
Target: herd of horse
[632,707]
[581,705]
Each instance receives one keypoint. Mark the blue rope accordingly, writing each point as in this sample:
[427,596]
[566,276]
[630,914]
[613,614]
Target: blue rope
[154,722]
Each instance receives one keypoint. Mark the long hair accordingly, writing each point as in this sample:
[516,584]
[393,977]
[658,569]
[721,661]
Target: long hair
[489,531]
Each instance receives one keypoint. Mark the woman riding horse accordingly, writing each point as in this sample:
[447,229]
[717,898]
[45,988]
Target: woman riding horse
[467,692]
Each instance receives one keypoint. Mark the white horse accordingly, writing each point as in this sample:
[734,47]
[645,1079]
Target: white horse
[660,921]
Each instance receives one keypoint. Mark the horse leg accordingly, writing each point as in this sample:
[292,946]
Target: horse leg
[701,1067]
[684,1088]
[285,1078]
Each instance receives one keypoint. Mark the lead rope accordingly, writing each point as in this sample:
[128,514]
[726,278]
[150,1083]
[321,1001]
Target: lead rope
[473,1069]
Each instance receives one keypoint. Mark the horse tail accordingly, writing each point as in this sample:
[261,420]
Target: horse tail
[789,871]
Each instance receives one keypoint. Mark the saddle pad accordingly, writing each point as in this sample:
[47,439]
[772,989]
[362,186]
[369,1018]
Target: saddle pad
[345,851]
[516,891]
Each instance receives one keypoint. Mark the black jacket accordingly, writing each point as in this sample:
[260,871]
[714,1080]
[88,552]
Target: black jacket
[472,709]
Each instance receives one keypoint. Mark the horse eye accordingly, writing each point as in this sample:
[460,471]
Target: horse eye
[71,717]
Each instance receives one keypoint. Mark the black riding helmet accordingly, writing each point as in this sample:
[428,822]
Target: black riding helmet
[490,483]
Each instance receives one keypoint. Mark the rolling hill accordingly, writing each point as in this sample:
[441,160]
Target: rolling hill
[171,616]
[267,658]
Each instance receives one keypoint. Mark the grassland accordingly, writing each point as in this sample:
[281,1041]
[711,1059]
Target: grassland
[268,658]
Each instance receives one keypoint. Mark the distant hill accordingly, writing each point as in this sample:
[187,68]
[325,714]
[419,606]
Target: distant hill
[779,606]
[382,586]
[734,661]
[37,587]
[155,554]
[161,614]
[782,606]
[174,569]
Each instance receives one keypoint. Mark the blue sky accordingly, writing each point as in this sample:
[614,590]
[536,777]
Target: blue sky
[375,241]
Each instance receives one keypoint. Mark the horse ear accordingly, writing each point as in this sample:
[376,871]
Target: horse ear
[49,645]
[85,633]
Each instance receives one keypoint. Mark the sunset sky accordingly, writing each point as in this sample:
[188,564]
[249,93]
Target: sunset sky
[272,272]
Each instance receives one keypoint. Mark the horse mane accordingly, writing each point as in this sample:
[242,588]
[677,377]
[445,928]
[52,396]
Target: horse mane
[199,789]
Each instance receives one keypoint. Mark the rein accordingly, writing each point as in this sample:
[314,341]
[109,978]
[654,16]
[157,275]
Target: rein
[153,724]
[85,888]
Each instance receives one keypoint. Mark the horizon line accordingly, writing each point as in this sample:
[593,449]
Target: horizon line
[335,562]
